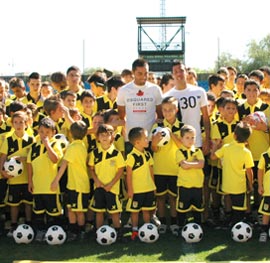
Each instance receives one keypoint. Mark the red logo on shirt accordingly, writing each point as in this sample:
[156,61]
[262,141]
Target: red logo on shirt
[140,93]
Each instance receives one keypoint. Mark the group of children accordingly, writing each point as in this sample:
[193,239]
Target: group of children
[91,178]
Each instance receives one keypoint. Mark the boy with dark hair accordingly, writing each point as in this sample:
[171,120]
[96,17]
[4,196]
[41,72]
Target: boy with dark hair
[34,94]
[237,174]
[74,83]
[75,159]
[108,100]
[222,131]
[58,81]
[42,166]
[106,168]
[140,179]
[88,100]
[69,98]
[190,179]
[216,84]
[165,167]
[17,144]
[97,84]
[258,141]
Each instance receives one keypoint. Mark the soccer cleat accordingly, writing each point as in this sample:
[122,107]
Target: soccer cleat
[40,235]
[134,235]
[162,229]
[10,232]
[128,224]
[263,237]
[155,220]
[174,229]
[71,237]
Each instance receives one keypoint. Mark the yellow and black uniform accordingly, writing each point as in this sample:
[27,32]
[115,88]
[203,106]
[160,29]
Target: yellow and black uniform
[104,103]
[106,164]
[264,164]
[17,186]
[235,159]
[36,120]
[165,167]
[190,181]
[43,173]
[220,130]
[78,99]
[29,99]
[77,177]
[142,181]
[258,141]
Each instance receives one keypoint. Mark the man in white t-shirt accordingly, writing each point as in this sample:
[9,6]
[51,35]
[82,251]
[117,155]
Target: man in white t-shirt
[139,101]
[192,104]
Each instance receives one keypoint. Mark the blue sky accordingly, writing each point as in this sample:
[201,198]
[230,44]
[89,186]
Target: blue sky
[48,35]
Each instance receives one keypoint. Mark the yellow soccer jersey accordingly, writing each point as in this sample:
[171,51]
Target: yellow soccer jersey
[258,141]
[104,103]
[76,156]
[29,99]
[164,158]
[189,177]
[221,129]
[119,142]
[235,159]
[264,164]
[14,146]
[140,163]
[44,170]
[87,119]
[107,163]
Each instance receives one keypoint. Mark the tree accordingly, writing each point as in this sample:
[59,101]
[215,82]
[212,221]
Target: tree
[258,55]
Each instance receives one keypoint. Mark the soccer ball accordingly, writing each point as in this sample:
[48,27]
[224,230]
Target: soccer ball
[62,139]
[55,235]
[241,232]
[148,233]
[256,117]
[13,167]
[192,233]
[165,133]
[106,235]
[23,234]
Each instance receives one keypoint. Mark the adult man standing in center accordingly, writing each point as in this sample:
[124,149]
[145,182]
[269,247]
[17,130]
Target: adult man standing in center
[192,104]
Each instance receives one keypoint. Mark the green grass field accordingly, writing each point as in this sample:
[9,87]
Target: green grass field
[216,245]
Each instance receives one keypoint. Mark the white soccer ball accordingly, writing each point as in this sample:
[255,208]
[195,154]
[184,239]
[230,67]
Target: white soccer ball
[192,233]
[241,232]
[23,234]
[256,117]
[165,133]
[55,235]
[148,233]
[13,167]
[106,235]
[62,139]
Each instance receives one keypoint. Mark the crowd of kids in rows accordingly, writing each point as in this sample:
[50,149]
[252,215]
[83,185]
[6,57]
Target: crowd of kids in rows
[90,179]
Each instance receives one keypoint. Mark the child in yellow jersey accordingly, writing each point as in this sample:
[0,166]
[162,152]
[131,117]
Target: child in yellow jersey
[92,143]
[140,179]
[264,191]
[258,141]
[190,177]
[165,168]
[237,174]
[75,159]
[106,167]
[222,131]
[42,161]
[17,144]
[88,101]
